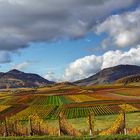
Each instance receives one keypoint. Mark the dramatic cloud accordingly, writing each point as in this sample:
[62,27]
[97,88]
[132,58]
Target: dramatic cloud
[5,57]
[123,30]
[112,58]
[26,21]
[82,68]
[89,65]
[21,66]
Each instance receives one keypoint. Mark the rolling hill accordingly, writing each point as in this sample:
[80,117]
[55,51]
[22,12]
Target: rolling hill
[110,75]
[121,73]
[129,79]
[16,79]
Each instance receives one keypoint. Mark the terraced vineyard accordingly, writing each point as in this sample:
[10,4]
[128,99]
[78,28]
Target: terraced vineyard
[11,111]
[84,112]
[41,111]
[40,100]
[81,98]
[3,107]
[50,100]
[53,111]
[72,105]
[129,108]
[54,100]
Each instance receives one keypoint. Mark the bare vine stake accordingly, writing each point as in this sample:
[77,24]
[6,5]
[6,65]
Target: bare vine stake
[90,125]
[15,125]
[5,128]
[59,133]
[124,119]
[30,127]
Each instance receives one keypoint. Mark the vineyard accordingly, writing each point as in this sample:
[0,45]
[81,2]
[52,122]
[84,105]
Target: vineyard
[52,111]
[77,113]
[35,125]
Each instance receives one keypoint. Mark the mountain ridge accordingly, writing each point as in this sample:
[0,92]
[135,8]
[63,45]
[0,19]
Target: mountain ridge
[110,75]
[15,79]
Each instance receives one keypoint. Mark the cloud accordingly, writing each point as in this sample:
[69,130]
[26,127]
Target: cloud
[89,65]
[82,68]
[5,57]
[123,30]
[22,65]
[51,77]
[26,21]
[112,58]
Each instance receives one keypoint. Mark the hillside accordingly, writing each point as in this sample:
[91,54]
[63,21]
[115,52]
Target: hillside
[110,75]
[129,79]
[16,79]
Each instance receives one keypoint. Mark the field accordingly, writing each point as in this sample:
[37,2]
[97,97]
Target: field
[75,103]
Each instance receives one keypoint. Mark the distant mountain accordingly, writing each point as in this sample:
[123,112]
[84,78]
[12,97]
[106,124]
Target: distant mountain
[110,75]
[16,79]
[129,79]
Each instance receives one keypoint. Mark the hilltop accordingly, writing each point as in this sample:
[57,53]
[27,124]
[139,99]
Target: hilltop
[15,79]
[110,75]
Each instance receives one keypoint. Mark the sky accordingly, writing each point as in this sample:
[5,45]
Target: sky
[68,40]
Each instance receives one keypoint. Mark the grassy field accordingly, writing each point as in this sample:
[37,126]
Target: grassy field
[101,122]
